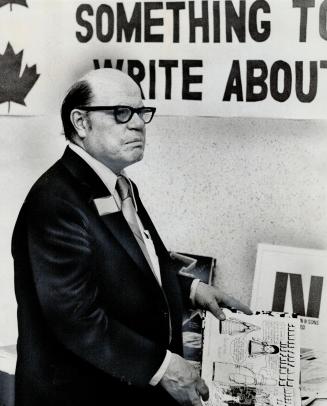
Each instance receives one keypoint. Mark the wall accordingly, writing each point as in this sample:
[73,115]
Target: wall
[213,186]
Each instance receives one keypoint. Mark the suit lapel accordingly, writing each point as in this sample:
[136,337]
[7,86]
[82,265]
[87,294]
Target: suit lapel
[93,188]
[118,226]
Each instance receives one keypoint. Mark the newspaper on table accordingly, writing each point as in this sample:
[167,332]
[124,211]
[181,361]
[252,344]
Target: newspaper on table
[252,360]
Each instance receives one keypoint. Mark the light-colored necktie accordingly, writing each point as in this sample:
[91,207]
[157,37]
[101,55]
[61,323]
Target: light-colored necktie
[128,209]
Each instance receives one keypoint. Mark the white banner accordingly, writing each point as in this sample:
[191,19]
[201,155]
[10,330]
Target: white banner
[209,58]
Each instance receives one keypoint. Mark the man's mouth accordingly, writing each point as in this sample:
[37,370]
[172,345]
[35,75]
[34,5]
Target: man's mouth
[136,141]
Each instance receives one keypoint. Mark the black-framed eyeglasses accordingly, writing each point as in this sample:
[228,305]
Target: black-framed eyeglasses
[123,114]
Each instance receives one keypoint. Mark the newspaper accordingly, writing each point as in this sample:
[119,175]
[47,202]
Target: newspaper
[252,360]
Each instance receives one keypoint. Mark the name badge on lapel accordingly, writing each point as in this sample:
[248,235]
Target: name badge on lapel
[106,205]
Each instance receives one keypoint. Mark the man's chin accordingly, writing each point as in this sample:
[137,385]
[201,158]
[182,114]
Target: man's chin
[140,156]
[136,156]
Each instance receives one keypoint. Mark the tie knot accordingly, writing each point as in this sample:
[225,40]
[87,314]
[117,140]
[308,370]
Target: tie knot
[123,188]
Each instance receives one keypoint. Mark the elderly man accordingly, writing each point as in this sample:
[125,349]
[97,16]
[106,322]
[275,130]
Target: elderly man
[99,298]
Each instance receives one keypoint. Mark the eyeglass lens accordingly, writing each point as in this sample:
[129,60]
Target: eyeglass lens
[124,114]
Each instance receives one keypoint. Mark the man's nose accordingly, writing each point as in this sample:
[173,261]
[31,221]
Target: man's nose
[136,122]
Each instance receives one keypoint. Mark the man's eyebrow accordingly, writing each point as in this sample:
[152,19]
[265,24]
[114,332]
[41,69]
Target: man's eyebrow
[130,105]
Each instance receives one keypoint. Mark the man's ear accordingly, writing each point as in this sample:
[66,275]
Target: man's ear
[80,122]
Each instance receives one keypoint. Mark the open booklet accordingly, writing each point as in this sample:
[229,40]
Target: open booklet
[252,360]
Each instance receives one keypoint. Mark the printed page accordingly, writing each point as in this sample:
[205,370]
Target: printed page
[252,360]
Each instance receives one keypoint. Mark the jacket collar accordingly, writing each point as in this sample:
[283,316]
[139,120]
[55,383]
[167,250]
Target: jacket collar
[84,174]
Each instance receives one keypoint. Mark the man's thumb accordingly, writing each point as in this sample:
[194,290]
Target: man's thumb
[217,311]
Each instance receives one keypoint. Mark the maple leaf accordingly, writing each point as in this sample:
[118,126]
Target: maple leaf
[11,2]
[12,86]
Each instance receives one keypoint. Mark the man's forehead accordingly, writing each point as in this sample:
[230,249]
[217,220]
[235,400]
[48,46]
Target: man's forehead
[114,93]
[110,86]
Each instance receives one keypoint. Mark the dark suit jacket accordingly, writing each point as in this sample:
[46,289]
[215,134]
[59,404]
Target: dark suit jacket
[93,321]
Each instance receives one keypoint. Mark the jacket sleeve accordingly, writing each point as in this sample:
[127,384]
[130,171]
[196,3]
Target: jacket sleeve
[60,249]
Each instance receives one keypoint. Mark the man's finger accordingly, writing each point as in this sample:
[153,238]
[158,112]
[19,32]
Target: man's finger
[195,398]
[202,389]
[196,401]
[234,303]
[216,310]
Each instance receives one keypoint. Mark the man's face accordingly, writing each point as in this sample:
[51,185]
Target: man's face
[114,144]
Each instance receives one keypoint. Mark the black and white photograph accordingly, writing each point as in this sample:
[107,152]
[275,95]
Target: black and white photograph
[162,163]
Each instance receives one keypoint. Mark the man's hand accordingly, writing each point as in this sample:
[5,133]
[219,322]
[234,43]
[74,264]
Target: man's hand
[210,298]
[183,383]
